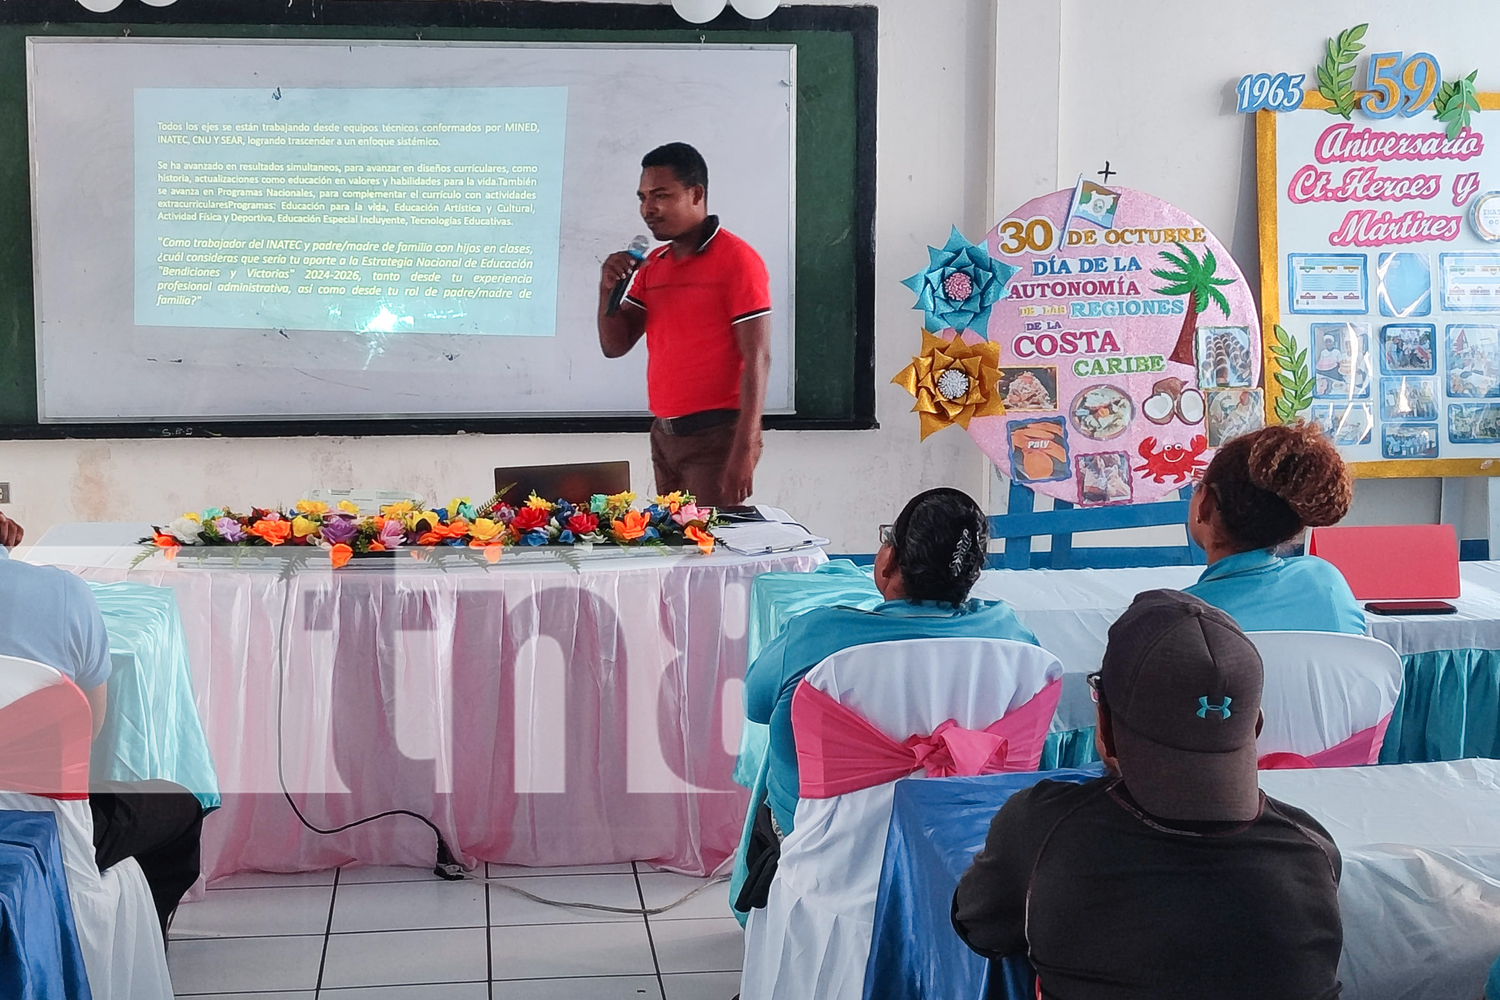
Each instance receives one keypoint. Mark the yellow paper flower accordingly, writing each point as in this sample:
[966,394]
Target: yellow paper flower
[193,517]
[953,382]
[312,507]
[537,503]
[400,509]
[671,501]
[304,526]
[345,507]
[427,518]
[486,530]
[452,508]
[622,499]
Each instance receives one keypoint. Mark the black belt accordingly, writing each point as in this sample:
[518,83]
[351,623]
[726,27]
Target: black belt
[692,423]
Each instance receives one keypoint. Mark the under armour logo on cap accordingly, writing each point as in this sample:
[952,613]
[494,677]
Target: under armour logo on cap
[1223,709]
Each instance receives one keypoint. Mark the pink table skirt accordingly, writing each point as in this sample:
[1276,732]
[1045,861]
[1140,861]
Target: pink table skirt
[536,714]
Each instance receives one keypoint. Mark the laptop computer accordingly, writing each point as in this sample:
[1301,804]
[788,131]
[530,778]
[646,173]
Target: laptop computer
[574,483]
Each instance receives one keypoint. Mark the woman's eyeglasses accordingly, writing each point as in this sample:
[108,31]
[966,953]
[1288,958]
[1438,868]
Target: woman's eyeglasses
[1094,680]
[888,534]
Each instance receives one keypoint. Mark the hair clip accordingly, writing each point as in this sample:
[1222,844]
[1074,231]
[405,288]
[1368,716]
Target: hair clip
[961,552]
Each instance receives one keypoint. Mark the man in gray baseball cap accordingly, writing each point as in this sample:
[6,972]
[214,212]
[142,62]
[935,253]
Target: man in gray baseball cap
[1172,875]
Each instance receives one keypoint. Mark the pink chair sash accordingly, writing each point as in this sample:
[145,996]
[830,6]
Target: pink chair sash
[1361,748]
[839,751]
[44,743]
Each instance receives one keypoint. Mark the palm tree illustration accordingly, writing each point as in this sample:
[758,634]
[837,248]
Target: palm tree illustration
[1196,279]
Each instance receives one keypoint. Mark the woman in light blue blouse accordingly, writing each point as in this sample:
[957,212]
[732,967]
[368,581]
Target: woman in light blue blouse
[1260,490]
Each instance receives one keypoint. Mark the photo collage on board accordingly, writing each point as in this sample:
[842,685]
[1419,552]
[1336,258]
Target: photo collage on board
[1388,233]
[1415,365]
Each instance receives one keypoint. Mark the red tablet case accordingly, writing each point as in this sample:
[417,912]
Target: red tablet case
[1395,562]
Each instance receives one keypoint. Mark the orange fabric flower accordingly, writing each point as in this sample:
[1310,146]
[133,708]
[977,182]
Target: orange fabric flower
[492,550]
[705,541]
[164,540]
[457,528]
[275,532]
[429,538]
[340,554]
[632,526]
[376,547]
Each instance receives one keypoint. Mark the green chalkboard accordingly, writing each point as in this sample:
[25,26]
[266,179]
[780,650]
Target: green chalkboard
[835,291]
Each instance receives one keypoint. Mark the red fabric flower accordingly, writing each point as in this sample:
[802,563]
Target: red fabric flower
[583,524]
[530,519]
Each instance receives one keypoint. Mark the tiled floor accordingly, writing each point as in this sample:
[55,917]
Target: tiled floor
[403,934]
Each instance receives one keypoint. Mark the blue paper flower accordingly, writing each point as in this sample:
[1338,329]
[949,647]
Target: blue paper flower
[565,537]
[962,282]
[598,503]
[534,538]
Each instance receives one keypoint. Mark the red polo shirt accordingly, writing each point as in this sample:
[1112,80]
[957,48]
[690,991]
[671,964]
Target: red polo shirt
[692,304]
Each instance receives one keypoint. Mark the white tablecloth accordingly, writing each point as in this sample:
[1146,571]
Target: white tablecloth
[1420,895]
[1071,611]
[536,712]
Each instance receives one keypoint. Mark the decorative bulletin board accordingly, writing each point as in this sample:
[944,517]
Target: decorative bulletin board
[1379,198]
[1097,345]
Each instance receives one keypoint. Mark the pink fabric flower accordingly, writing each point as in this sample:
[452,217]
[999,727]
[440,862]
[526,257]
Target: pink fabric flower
[392,535]
[690,512]
[229,529]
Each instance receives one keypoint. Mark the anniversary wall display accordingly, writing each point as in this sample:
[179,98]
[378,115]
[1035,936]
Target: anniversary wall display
[1380,258]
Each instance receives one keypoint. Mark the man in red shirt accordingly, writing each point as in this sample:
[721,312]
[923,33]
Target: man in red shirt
[703,302]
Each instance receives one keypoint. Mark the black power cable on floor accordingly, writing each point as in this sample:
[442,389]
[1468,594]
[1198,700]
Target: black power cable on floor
[446,867]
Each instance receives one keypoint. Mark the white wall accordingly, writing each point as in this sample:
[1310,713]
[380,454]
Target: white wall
[1149,85]
[983,104]
[934,165]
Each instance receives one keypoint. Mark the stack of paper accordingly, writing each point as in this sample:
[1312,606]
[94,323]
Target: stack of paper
[759,537]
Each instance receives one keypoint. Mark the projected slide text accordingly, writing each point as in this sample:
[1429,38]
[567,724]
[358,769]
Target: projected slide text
[422,210]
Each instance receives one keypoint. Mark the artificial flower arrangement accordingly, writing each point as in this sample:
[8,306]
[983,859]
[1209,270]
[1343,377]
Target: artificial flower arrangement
[672,519]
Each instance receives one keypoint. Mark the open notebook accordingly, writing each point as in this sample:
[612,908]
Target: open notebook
[775,532]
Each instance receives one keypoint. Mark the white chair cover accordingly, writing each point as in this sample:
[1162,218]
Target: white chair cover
[113,912]
[1323,687]
[812,940]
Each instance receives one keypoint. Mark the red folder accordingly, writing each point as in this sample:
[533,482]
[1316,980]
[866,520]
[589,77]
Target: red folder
[1393,562]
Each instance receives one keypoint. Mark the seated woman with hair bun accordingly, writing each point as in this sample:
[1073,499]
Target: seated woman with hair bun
[1260,490]
[927,563]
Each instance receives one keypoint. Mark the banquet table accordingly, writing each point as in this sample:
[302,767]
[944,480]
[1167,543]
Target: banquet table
[40,957]
[151,726]
[1450,701]
[555,708]
[1419,897]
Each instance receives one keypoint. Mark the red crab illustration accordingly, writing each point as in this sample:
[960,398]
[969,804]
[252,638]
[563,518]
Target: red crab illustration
[1179,462]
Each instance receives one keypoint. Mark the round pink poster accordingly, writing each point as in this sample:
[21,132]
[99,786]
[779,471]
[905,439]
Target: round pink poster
[1129,347]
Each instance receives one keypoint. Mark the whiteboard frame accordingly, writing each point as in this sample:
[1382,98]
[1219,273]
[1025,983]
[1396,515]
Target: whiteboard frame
[33,176]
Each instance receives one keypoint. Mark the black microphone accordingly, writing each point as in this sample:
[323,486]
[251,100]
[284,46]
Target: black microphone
[637,249]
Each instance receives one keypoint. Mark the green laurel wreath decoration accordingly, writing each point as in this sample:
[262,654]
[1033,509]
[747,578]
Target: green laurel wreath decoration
[1456,103]
[1294,376]
[1336,71]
